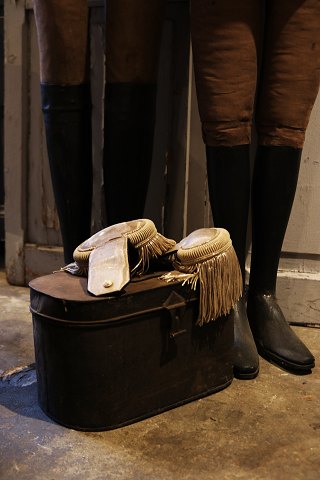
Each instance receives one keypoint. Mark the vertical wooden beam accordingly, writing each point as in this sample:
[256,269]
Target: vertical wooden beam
[303,231]
[15,134]
[155,204]
[174,214]
[97,80]
[199,211]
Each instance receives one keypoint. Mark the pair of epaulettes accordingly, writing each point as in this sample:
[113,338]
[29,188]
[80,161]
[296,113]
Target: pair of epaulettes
[205,258]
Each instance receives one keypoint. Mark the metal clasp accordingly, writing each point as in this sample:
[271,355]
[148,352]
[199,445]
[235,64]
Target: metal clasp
[175,306]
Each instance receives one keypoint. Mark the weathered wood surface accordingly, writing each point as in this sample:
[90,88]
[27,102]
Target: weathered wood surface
[177,198]
[15,138]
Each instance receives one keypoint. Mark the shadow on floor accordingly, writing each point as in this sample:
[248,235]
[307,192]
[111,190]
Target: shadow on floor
[18,393]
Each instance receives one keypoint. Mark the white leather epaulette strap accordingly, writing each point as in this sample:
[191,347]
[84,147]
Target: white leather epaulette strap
[109,267]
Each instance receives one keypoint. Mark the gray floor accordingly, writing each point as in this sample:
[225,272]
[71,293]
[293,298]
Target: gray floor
[267,428]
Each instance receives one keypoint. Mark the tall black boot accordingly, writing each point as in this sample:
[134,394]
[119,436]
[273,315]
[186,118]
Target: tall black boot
[274,185]
[229,189]
[67,117]
[128,145]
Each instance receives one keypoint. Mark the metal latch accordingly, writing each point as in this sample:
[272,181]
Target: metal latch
[175,306]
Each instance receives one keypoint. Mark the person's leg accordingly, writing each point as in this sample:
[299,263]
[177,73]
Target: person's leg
[224,41]
[62,37]
[228,170]
[290,82]
[133,33]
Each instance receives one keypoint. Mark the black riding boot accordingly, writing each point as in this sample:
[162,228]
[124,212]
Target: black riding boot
[274,185]
[67,117]
[229,188]
[128,145]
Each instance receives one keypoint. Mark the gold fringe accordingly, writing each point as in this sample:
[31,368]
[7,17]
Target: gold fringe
[153,247]
[175,276]
[220,283]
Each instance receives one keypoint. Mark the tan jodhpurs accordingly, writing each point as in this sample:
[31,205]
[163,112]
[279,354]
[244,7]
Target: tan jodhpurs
[133,33]
[234,43]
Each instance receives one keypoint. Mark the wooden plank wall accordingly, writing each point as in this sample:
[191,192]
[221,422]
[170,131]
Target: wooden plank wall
[177,199]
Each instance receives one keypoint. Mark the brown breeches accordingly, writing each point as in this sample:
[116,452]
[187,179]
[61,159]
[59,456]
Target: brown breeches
[232,42]
[62,27]
[133,31]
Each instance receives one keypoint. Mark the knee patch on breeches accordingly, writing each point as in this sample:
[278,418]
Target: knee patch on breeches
[226,43]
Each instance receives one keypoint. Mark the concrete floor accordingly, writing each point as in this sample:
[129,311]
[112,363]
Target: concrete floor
[264,429]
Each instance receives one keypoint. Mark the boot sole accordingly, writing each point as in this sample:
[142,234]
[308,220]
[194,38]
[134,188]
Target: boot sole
[245,376]
[281,362]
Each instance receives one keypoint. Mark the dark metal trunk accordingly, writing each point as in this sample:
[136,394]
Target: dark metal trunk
[106,362]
